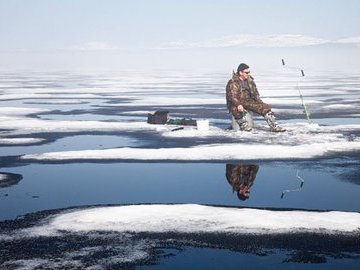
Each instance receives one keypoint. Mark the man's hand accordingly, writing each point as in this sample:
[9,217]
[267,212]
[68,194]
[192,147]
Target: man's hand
[240,108]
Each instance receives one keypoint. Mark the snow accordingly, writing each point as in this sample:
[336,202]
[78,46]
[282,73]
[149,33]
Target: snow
[46,96]
[26,264]
[58,101]
[290,101]
[194,218]
[37,125]
[73,259]
[2,177]
[16,141]
[339,106]
[205,152]
[12,112]
[188,92]
[301,141]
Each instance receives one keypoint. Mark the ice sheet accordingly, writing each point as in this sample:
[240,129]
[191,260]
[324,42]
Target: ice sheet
[129,94]
[17,141]
[193,218]
[206,152]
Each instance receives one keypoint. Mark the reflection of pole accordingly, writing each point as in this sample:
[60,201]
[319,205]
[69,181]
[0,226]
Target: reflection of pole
[294,190]
[305,108]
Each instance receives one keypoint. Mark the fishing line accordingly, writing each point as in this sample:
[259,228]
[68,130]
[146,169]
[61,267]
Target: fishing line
[296,189]
[305,108]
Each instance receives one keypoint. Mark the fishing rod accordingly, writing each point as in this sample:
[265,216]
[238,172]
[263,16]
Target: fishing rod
[296,189]
[305,108]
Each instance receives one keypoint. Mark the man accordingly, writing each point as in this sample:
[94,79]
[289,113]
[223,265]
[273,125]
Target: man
[242,96]
[241,177]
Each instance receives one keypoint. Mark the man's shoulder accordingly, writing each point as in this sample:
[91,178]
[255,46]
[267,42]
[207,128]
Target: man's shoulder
[233,84]
[251,81]
[234,79]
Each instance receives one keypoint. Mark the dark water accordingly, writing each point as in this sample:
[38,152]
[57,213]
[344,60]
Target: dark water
[211,259]
[320,185]
[51,186]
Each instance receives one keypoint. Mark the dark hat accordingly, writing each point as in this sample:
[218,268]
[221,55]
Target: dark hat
[242,67]
[243,197]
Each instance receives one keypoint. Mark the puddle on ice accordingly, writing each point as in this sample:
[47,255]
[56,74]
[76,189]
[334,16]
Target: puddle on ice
[61,106]
[276,185]
[214,259]
[72,143]
[92,117]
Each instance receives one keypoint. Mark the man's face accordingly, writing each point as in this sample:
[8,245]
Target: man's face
[245,191]
[245,73]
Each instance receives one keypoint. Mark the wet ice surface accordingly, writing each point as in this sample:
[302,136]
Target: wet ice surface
[81,141]
[36,107]
[75,142]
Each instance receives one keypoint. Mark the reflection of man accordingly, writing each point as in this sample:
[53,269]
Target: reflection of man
[241,177]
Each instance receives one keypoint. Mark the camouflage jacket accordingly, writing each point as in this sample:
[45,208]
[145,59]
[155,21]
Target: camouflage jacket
[241,175]
[237,95]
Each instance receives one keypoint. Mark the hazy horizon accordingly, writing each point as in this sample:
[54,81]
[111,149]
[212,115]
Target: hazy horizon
[195,36]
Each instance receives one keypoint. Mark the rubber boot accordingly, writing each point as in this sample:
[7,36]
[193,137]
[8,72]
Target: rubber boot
[244,125]
[243,122]
[271,120]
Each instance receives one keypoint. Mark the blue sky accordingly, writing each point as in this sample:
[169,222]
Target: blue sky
[141,33]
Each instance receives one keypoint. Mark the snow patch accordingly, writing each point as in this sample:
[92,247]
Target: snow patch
[339,106]
[193,218]
[16,141]
[17,111]
[301,141]
[205,152]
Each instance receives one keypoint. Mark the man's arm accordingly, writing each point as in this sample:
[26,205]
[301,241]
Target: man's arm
[253,90]
[232,94]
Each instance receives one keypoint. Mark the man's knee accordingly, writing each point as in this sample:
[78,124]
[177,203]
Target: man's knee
[265,111]
[265,108]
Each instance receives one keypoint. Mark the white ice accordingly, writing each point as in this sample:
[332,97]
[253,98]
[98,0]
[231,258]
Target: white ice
[194,218]
[206,152]
[339,106]
[301,141]
[17,141]
[17,124]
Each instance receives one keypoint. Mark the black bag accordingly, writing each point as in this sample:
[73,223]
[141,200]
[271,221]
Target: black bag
[182,121]
[159,117]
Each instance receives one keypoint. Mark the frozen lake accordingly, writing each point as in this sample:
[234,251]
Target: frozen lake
[88,184]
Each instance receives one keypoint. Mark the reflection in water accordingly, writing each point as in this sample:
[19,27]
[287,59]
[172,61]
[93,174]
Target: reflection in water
[295,189]
[9,179]
[241,177]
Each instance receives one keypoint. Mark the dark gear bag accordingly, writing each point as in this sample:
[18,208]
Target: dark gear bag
[159,117]
[182,121]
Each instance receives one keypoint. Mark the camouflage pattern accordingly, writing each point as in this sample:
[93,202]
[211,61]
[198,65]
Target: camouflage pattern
[245,94]
[241,177]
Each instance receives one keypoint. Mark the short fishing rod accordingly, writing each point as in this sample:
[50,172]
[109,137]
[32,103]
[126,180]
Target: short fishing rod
[305,108]
[296,189]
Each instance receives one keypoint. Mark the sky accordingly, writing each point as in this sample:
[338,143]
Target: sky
[167,34]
